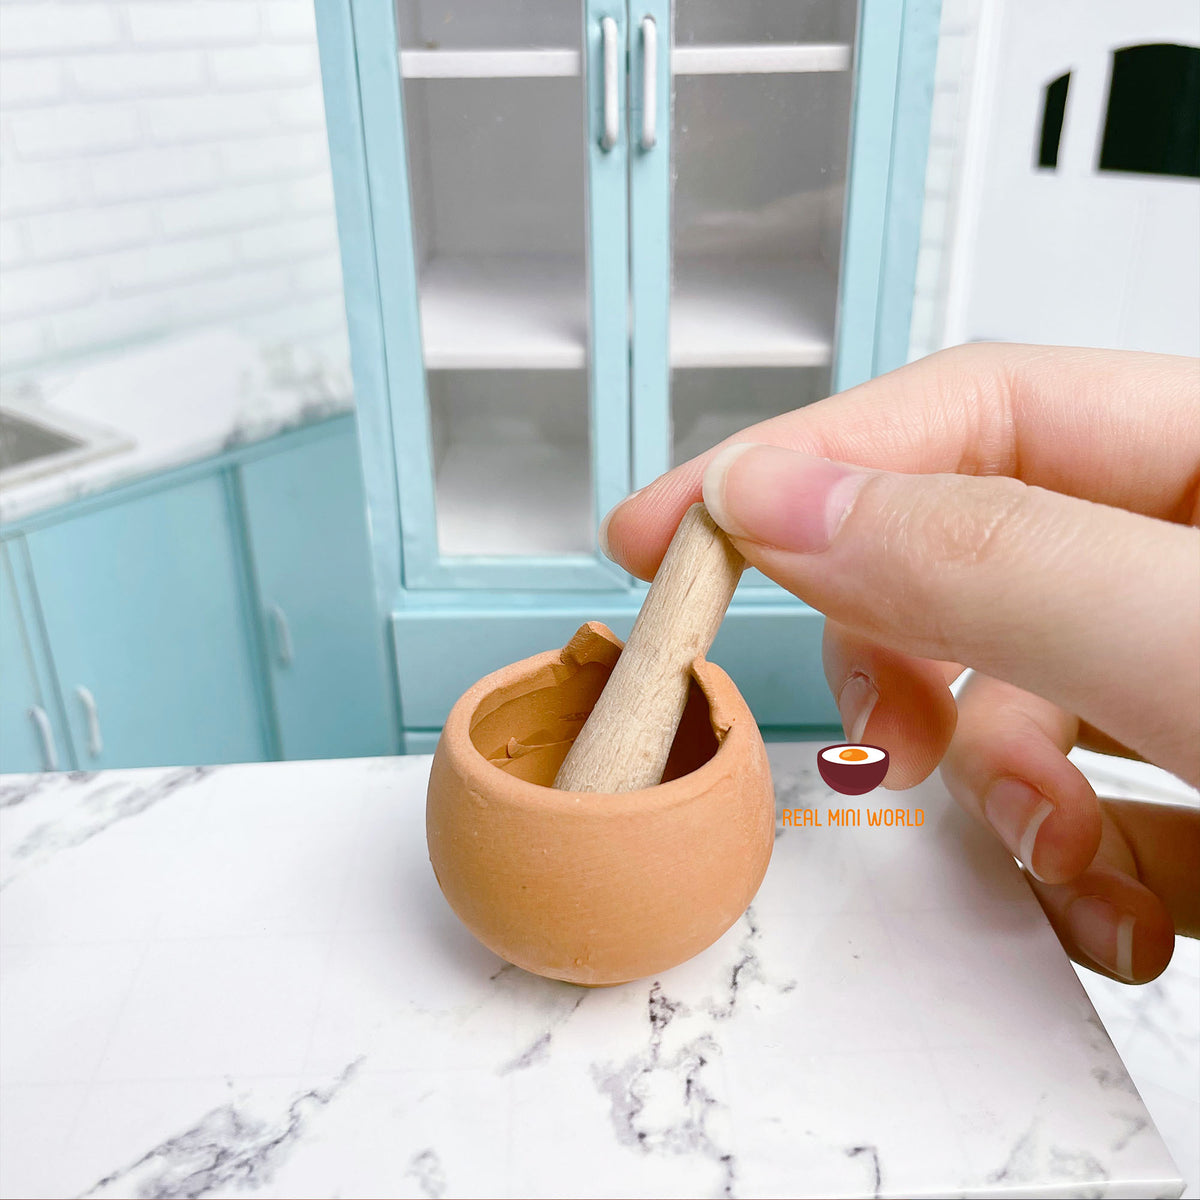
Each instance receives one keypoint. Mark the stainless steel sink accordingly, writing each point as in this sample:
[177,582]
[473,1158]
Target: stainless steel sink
[37,441]
[22,441]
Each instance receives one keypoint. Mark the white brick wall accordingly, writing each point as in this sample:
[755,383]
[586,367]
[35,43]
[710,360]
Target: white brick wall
[163,165]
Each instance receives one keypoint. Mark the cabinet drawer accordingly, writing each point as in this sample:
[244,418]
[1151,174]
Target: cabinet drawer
[772,652]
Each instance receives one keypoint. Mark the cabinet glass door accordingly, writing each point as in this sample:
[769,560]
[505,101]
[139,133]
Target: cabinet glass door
[757,141]
[515,161]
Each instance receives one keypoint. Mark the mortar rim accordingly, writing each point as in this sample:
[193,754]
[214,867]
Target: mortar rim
[732,723]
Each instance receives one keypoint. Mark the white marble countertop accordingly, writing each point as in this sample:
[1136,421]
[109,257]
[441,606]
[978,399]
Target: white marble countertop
[170,403]
[243,981]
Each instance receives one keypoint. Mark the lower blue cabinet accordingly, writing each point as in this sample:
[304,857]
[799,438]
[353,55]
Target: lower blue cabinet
[221,613]
[30,735]
[142,607]
[323,640]
[770,650]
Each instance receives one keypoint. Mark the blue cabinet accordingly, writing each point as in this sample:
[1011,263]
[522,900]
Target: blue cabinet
[142,605]
[582,243]
[31,732]
[223,612]
[306,529]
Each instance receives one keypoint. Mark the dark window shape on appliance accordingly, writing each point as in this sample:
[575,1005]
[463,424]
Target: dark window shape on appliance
[1054,108]
[1153,122]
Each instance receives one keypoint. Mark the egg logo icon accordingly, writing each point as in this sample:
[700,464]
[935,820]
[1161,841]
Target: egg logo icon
[852,770]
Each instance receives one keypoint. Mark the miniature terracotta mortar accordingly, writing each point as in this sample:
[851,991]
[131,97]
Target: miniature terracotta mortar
[596,888]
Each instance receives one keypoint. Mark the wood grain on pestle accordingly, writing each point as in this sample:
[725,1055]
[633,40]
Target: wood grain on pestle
[625,742]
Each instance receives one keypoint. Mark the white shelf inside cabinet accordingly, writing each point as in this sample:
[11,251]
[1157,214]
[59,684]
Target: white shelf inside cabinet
[741,312]
[767,58]
[506,312]
[528,500]
[488,64]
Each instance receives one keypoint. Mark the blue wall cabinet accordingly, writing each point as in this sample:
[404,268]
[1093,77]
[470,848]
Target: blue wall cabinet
[143,614]
[582,243]
[306,527]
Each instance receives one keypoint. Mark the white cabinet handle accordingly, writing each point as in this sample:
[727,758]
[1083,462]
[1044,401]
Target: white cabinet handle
[95,741]
[283,635]
[608,35]
[49,756]
[649,83]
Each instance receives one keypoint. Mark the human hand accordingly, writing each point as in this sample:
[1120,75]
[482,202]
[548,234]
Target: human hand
[1026,512]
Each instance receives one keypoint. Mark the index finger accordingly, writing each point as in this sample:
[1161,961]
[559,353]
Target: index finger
[1116,427]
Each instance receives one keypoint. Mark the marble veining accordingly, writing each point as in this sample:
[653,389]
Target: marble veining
[1155,1030]
[661,1102]
[426,1168]
[228,1147]
[280,1002]
[870,1154]
[16,789]
[81,813]
[1029,1158]
[539,1048]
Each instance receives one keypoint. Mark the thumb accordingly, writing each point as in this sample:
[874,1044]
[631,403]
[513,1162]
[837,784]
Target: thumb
[1094,608]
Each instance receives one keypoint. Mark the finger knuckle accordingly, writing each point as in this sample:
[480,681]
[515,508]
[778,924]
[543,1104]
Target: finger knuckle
[953,539]
[972,528]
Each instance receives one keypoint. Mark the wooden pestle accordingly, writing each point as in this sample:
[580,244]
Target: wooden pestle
[625,741]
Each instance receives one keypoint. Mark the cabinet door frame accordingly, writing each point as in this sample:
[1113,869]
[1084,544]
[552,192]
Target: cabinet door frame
[25,619]
[894,52]
[895,55]
[366,31]
[650,243]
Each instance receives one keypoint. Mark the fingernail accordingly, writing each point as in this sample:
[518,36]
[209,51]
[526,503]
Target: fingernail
[780,498]
[856,701]
[1103,933]
[1016,812]
[602,532]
